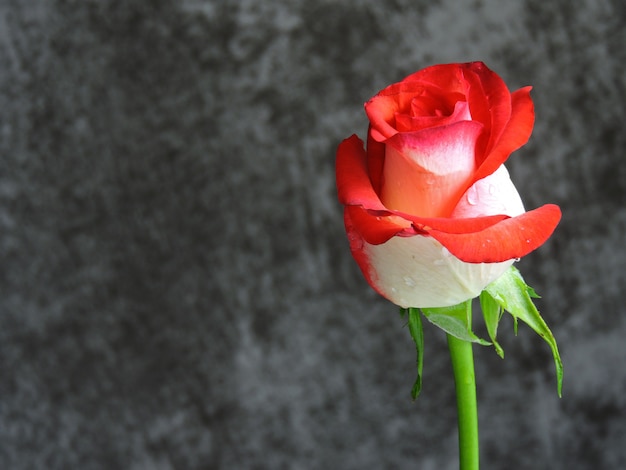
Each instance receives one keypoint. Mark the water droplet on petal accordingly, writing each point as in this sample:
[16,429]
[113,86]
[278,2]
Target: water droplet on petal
[409,281]
[439,262]
[528,240]
[472,196]
[444,252]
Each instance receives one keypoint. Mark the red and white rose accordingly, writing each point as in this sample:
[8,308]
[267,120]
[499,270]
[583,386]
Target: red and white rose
[430,211]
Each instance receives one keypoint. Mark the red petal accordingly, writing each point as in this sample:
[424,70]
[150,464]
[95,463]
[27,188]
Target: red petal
[511,238]
[444,76]
[453,226]
[381,109]
[356,247]
[377,229]
[516,133]
[375,161]
[353,182]
[490,103]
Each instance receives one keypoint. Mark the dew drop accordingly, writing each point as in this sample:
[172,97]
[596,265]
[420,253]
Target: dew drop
[444,252]
[528,240]
[472,196]
[409,281]
[439,262]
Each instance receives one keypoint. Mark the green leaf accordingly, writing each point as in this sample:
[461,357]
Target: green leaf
[531,291]
[417,333]
[492,313]
[515,296]
[455,320]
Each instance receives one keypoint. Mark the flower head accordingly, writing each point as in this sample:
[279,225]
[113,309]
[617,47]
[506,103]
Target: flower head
[430,211]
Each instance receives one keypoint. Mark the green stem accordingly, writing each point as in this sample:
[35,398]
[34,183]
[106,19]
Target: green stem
[465,382]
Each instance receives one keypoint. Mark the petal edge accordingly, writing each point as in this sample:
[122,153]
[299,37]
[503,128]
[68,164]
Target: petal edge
[511,238]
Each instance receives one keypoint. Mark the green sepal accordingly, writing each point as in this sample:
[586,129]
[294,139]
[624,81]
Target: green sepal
[515,296]
[492,313]
[417,333]
[455,320]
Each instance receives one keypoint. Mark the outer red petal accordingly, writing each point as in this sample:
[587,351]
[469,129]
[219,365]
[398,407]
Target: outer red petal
[515,134]
[511,238]
[354,186]
[377,229]
[454,226]
[375,161]
[490,104]
[357,248]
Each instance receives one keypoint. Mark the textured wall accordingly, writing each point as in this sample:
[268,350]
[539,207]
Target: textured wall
[176,290]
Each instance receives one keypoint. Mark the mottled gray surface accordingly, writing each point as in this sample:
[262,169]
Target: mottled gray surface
[176,290]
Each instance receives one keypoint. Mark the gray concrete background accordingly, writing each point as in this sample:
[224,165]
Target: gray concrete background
[176,290]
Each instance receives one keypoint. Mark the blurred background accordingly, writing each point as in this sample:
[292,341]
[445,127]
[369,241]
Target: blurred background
[176,289]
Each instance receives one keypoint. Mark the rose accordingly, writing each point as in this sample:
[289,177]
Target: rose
[431,214]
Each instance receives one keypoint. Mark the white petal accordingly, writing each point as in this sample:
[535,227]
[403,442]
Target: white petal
[419,272]
[494,194]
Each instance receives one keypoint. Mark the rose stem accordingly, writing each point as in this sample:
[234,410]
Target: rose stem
[465,383]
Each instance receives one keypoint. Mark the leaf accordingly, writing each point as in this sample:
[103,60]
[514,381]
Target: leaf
[492,313]
[417,333]
[515,296]
[455,320]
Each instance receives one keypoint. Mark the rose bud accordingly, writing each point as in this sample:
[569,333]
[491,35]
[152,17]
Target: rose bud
[431,214]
